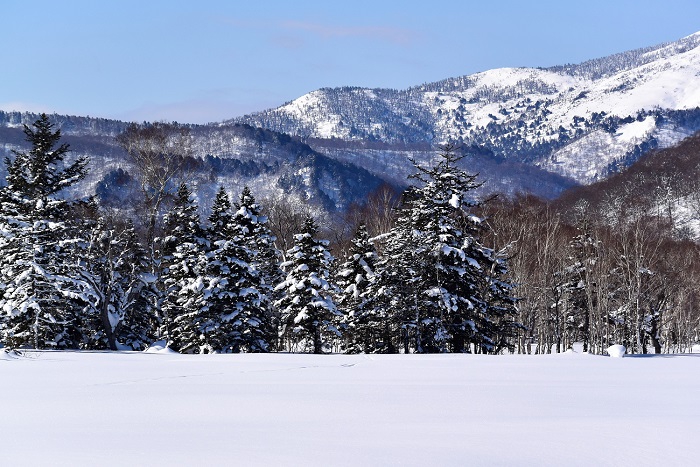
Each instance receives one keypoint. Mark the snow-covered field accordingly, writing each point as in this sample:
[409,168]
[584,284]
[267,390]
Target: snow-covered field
[100,409]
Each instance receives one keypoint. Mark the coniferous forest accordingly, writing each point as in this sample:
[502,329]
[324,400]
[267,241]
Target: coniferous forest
[429,270]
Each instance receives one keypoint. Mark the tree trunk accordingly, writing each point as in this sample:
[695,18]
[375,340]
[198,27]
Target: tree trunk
[318,344]
[107,325]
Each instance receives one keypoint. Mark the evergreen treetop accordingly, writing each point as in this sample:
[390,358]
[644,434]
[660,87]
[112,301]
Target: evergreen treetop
[35,176]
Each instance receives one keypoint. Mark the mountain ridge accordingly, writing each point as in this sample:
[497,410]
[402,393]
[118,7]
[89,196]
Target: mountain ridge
[539,130]
[526,114]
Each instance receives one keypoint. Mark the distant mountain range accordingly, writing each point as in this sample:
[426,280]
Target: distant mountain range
[540,130]
[580,121]
[232,155]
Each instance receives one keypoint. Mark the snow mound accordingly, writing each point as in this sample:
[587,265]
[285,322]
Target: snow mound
[617,351]
[159,347]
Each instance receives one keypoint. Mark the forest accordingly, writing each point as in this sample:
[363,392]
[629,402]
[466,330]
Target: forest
[429,270]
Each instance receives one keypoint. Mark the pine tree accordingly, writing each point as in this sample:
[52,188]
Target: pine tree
[44,293]
[308,313]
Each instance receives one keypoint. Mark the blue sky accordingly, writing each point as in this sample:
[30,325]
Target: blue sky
[201,61]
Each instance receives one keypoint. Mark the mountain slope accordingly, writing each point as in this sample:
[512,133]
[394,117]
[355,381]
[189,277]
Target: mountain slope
[580,121]
[663,183]
[522,129]
[231,155]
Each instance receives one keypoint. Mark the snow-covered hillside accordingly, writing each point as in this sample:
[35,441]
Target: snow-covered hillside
[115,409]
[526,130]
[580,121]
[234,156]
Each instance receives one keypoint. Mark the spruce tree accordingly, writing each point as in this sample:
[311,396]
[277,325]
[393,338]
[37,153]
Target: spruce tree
[44,293]
[309,316]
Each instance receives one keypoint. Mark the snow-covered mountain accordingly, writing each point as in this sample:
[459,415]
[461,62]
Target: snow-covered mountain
[523,129]
[580,121]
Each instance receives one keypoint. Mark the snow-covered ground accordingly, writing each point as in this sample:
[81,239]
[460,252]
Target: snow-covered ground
[80,408]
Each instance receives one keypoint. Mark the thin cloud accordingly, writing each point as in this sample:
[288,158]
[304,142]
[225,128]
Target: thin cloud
[198,110]
[395,35]
[400,36]
[288,41]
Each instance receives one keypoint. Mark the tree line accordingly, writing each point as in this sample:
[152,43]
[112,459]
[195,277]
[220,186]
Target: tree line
[76,275]
[429,270]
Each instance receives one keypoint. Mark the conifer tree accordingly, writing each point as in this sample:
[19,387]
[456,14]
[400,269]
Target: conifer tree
[251,226]
[448,286]
[44,294]
[393,296]
[361,326]
[460,277]
[233,298]
[309,316]
[116,266]
[133,296]
[183,275]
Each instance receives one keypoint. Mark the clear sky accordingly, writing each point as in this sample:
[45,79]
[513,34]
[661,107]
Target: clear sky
[200,61]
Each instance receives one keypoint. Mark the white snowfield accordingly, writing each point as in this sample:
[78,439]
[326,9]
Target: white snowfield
[150,409]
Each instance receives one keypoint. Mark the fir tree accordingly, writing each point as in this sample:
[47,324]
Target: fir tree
[183,276]
[308,313]
[116,265]
[234,300]
[393,296]
[445,284]
[250,226]
[361,328]
[133,296]
[460,277]
[44,293]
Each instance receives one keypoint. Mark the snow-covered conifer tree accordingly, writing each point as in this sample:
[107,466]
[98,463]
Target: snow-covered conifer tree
[233,299]
[250,225]
[44,293]
[393,297]
[115,264]
[309,316]
[448,286]
[183,276]
[353,277]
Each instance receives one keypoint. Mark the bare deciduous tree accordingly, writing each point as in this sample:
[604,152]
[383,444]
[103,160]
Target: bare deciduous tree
[161,153]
